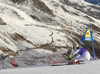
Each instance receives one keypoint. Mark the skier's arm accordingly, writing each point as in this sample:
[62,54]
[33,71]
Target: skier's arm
[73,55]
[75,52]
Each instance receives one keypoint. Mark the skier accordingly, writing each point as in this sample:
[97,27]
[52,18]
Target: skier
[74,48]
[79,54]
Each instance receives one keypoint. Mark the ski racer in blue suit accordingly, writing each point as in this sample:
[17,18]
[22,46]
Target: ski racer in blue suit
[80,54]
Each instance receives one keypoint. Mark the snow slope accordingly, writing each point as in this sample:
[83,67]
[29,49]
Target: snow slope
[91,67]
[24,36]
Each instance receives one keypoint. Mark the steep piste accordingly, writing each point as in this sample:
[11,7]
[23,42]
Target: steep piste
[51,25]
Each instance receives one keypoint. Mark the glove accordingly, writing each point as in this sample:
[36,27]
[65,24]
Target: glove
[69,58]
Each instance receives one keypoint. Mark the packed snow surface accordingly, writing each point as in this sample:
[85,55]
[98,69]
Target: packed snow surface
[91,67]
[30,36]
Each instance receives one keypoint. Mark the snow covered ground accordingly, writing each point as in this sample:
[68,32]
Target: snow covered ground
[23,36]
[91,67]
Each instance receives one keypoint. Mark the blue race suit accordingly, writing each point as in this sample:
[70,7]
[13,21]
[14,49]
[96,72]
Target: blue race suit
[82,50]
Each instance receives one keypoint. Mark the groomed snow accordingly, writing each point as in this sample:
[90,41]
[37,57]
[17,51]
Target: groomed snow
[38,33]
[91,67]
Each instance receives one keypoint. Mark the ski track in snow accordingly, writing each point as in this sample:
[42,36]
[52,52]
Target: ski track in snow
[91,67]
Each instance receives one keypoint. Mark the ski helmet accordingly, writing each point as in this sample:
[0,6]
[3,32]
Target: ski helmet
[74,47]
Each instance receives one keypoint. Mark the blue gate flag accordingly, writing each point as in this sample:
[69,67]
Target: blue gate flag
[87,36]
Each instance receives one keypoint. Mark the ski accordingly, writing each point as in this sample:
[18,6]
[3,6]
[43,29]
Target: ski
[70,63]
[61,64]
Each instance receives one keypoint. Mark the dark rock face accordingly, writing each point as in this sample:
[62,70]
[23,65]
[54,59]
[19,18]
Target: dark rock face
[88,11]
[93,1]
[19,1]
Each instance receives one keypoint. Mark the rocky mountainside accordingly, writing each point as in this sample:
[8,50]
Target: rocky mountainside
[33,28]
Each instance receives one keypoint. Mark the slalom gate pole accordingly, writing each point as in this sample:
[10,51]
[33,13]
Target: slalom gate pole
[92,42]
[14,63]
